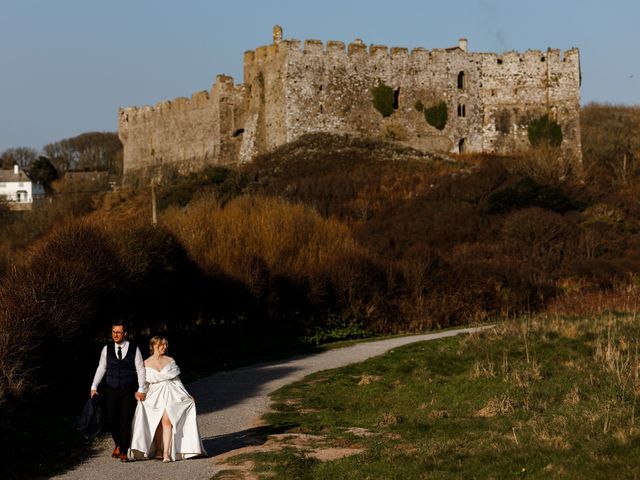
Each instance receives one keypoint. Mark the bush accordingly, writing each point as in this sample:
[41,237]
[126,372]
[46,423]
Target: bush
[603,273]
[544,131]
[472,290]
[610,144]
[545,164]
[383,98]
[539,236]
[224,182]
[361,285]
[157,292]
[53,304]
[527,193]
[287,237]
[437,115]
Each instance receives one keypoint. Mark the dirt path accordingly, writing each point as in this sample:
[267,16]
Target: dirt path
[230,405]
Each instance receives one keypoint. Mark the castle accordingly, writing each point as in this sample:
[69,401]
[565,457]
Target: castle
[290,90]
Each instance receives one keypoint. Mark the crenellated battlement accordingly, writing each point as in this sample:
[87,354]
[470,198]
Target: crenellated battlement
[551,55]
[224,85]
[292,87]
[267,53]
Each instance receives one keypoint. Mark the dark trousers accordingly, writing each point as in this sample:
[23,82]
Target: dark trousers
[120,405]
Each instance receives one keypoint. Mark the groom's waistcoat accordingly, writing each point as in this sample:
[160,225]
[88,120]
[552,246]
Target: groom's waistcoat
[121,373]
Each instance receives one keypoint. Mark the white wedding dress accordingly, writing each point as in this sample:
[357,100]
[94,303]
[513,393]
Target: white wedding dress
[166,392]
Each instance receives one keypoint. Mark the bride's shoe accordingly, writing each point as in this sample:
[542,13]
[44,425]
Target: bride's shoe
[166,460]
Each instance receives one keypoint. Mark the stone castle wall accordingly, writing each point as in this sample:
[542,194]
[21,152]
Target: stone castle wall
[185,133]
[291,88]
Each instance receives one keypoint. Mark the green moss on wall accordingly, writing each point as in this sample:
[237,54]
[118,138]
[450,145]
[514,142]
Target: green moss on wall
[437,115]
[542,130]
[383,98]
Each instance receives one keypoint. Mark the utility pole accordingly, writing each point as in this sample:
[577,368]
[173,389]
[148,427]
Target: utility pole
[154,218]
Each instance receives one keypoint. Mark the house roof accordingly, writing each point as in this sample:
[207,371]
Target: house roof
[10,176]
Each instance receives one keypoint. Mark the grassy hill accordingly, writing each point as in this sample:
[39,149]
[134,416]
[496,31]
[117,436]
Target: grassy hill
[536,397]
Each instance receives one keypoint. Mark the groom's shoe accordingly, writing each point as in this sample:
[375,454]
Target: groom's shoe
[116,453]
[124,458]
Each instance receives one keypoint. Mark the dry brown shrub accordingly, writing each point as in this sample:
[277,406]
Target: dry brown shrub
[546,165]
[539,235]
[500,405]
[248,230]
[475,289]
[439,414]
[287,255]
[419,223]
[610,144]
[573,396]
[389,418]
[472,184]
[418,266]
[56,294]
[482,369]
[367,379]
[549,432]
[125,208]
[624,297]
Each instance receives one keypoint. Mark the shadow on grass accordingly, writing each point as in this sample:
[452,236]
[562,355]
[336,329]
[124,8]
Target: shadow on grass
[251,437]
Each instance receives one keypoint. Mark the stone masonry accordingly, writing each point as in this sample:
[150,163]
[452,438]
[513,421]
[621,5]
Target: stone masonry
[291,89]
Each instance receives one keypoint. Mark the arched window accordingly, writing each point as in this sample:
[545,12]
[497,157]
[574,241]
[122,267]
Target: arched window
[462,110]
[461,81]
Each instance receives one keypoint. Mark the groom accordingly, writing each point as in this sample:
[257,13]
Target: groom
[123,365]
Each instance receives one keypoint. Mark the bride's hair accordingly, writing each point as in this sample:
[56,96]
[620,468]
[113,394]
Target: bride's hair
[157,340]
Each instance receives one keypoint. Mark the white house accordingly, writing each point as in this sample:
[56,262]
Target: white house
[18,189]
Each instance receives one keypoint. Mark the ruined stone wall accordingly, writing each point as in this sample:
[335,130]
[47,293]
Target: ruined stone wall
[311,87]
[518,87]
[329,90]
[489,109]
[183,134]
[291,88]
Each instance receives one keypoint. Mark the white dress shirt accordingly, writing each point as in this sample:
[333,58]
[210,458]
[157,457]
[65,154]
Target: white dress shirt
[102,365]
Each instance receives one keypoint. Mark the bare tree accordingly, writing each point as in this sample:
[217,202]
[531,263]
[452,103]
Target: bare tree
[611,142]
[88,151]
[22,156]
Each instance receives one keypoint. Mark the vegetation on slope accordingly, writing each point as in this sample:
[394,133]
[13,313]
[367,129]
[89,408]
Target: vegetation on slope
[325,238]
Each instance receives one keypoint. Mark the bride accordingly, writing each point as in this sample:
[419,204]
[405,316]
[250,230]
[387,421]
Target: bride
[164,425]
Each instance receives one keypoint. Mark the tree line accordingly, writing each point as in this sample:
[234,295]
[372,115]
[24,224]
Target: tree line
[98,151]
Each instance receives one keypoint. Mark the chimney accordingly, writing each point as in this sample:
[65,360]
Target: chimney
[16,169]
[463,44]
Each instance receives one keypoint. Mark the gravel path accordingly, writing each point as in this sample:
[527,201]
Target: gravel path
[230,405]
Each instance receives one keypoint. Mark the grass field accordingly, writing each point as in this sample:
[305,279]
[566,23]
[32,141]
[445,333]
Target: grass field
[541,397]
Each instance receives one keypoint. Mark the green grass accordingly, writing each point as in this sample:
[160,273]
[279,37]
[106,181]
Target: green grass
[536,398]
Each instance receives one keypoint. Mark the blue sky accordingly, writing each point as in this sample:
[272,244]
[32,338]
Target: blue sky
[67,65]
